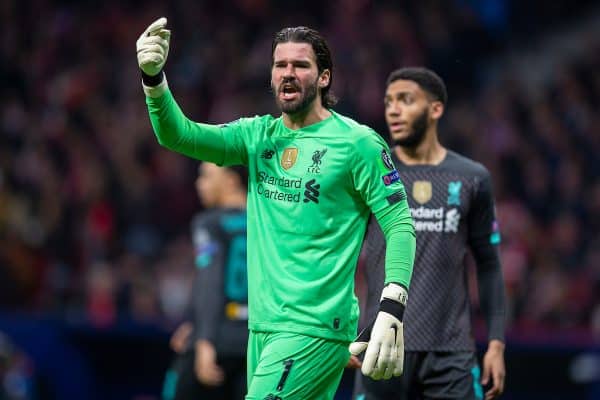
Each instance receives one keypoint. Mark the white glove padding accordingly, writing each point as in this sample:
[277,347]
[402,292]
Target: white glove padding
[153,47]
[383,340]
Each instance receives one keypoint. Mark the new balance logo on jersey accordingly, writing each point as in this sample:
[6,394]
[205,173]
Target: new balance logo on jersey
[312,191]
[317,160]
[452,220]
[267,154]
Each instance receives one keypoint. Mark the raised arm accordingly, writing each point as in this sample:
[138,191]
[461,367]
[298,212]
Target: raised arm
[172,128]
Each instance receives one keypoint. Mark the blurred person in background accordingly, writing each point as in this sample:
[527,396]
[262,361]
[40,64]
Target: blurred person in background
[315,177]
[211,346]
[17,373]
[451,201]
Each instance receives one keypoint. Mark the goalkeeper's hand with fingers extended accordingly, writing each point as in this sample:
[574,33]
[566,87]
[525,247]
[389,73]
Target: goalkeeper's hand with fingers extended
[383,340]
[153,47]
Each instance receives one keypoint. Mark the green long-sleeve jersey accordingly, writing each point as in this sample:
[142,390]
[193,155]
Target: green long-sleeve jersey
[310,194]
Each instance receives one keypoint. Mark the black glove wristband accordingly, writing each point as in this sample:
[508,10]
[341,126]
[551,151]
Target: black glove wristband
[392,307]
[153,80]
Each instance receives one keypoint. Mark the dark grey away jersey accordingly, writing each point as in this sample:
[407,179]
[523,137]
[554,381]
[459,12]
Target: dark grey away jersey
[219,309]
[453,210]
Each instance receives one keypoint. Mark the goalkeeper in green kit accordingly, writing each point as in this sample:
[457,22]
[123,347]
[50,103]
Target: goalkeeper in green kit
[314,178]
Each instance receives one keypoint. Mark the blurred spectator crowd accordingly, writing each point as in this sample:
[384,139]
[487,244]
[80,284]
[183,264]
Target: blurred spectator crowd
[94,214]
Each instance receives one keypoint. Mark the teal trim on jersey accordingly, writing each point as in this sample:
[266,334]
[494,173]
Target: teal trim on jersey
[476,384]
[360,397]
[203,260]
[232,223]
[495,238]
[236,284]
[170,385]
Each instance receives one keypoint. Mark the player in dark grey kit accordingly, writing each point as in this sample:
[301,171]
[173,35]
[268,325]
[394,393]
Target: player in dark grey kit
[452,205]
[211,347]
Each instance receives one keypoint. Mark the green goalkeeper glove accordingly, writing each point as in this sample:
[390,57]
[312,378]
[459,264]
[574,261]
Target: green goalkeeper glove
[383,340]
[152,51]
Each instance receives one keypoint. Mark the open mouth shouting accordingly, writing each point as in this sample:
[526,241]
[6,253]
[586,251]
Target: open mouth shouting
[289,92]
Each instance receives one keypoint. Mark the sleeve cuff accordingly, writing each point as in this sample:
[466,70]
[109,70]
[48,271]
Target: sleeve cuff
[158,90]
[496,328]
[396,292]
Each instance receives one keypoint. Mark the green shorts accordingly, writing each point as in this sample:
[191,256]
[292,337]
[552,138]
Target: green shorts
[289,366]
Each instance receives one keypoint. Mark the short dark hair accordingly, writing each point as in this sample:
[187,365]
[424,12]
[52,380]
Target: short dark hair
[428,80]
[302,34]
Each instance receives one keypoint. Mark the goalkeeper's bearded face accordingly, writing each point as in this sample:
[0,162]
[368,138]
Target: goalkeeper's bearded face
[295,77]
